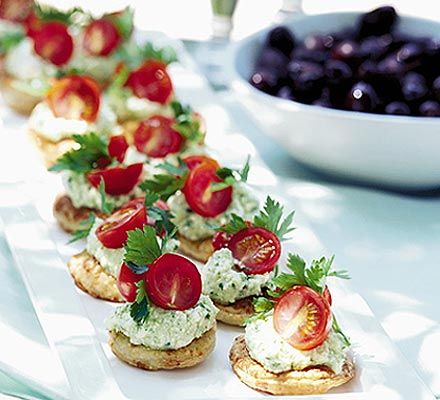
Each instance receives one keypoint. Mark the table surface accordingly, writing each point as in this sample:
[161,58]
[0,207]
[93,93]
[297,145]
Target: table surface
[388,241]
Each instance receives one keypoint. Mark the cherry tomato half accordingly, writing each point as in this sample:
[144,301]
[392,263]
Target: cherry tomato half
[151,81]
[113,232]
[117,180]
[257,249]
[117,147]
[32,24]
[220,240]
[194,161]
[101,37]
[200,197]
[173,282]
[126,282]
[302,317]
[15,10]
[75,97]
[54,43]
[156,137]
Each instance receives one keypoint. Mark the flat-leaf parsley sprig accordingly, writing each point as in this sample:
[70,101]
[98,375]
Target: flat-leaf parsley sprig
[91,149]
[314,276]
[270,218]
[142,249]
[167,184]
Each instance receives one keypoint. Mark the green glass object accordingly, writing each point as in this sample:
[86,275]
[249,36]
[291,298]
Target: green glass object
[224,8]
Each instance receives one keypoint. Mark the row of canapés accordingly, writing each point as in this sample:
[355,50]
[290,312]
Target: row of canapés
[142,190]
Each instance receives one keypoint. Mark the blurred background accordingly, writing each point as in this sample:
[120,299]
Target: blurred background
[191,19]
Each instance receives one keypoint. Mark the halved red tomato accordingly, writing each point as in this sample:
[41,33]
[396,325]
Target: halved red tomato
[173,282]
[156,137]
[194,161]
[220,240]
[75,97]
[199,195]
[15,10]
[32,24]
[114,230]
[151,81]
[126,282]
[54,43]
[101,37]
[302,317]
[257,249]
[117,147]
[117,180]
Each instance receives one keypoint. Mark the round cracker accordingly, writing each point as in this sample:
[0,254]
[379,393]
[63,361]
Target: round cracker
[150,359]
[313,380]
[91,278]
[50,150]
[236,313]
[200,250]
[68,216]
[21,102]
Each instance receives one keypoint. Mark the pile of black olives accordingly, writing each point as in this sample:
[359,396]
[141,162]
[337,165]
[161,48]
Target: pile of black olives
[371,67]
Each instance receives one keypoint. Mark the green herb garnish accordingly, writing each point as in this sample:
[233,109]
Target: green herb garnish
[84,159]
[9,40]
[188,126]
[85,227]
[231,176]
[269,218]
[140,308]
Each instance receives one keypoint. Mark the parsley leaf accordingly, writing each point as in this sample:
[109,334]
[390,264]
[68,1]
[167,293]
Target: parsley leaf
[231,176]
[338,330]
[123,21]
[262,305]
[140,308]
[107,206]
[270,219]
[234,225]
[162,219]
[84,231]
[84,159]
[48,13]
[186,124]
[164,185]
[166,54]
[142,247]
[313,276]
[179,170]
[9,40]
[150,198]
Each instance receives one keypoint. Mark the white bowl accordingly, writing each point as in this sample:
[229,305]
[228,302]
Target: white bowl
[393,151]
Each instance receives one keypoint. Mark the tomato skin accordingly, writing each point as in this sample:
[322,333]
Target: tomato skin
[156,137]
[194,161]
[126,282]
[257,249]
[113,232]
[220,240]
[54,43]
[117,147]
[118,180]
[199,196]
[303,318]
[32,25]
[173,282]
[75,97]
[101,37]
[151,81]
[327,295]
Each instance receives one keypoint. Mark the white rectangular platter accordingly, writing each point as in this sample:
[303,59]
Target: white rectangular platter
[74,322]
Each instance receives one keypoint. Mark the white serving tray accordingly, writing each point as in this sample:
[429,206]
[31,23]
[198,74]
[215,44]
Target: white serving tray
[73,321]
